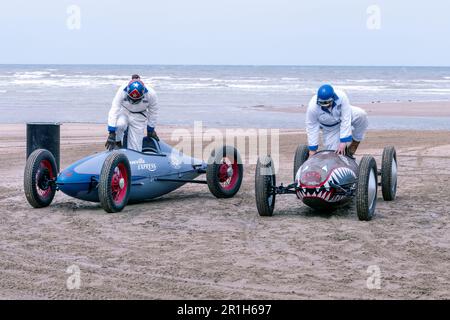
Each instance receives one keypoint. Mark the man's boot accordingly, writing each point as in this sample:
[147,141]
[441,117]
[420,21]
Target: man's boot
[352,147]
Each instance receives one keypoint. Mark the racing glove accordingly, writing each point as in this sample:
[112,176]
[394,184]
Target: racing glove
[111,142]
[151,133]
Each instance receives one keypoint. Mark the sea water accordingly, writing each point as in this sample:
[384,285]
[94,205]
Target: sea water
[235,96]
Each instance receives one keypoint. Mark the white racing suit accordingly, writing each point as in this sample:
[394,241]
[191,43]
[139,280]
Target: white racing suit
[123,114]
[342,123]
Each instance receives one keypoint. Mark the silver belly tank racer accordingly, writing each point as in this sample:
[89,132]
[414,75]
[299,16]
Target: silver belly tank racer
[327,181]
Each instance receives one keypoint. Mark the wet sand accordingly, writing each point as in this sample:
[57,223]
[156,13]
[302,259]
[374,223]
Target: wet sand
[190,245]
[392,109]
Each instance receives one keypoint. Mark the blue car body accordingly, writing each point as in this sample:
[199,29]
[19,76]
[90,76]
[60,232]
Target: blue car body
[153,173]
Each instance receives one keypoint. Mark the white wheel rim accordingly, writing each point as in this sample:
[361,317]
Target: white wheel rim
[372,189]
[272,196]
[394,175]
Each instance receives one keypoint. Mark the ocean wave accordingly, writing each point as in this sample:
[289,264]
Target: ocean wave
[239,83]
[232,81]
[63,83]
[362,88]
[31,74]
[429,81]
[244,87]
[271,88]
[436,90]
[365,80]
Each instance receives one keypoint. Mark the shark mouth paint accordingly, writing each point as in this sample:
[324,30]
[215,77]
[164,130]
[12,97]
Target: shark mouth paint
[326,179]
[325,190]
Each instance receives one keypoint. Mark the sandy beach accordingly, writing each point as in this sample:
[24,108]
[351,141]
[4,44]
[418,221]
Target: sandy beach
[190,245]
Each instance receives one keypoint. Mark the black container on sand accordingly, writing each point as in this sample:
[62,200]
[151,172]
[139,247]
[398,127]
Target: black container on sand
[42,135]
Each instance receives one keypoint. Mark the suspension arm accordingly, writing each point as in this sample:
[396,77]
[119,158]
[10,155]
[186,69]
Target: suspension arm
[290,189]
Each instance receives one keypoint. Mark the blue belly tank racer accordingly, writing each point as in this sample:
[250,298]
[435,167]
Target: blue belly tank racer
[114,178]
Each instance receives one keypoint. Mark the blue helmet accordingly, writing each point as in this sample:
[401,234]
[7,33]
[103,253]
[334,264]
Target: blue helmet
[326,96]
[135,91]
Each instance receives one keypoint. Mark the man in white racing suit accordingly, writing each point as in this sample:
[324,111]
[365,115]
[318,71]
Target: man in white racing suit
[134,107]
[330,110]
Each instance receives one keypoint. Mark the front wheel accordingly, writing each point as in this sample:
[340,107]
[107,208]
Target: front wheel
[265,183]
[39,178]
[389,173]
[301,155]
[115,182]
[366,193]
[224,172]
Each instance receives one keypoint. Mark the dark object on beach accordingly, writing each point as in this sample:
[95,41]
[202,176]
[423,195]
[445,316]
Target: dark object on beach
[116,177]
[42,135]
[327,181]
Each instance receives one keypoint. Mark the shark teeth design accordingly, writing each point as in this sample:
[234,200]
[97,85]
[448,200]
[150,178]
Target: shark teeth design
[339,174]
[325,192]
[324,195]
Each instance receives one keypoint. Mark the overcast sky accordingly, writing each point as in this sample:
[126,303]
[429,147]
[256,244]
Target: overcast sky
[236,32]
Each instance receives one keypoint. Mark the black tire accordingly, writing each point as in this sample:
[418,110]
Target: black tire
[301,155]
[389,173]
[39,176]
[367,180]
[265,181]
[110,187]
[220,183]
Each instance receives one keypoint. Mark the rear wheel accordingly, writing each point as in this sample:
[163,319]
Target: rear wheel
[389,173]
[224,172]
[115,182]
[265,183]
[366,193]
[301,155]
[39,178]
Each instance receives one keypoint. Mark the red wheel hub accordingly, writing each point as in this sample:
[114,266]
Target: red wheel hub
[44,175]
[119,183]
[228,174]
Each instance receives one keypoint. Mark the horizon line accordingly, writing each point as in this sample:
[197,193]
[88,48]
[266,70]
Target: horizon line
[224,65]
